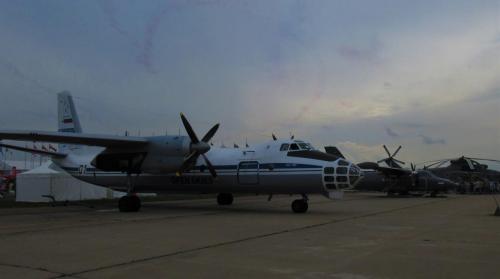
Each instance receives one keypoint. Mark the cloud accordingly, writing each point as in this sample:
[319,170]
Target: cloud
[358,152]
[391,133]
[369,53]
[491,95]
[430,141]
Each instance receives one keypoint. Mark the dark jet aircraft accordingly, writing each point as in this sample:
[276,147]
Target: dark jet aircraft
[395,179]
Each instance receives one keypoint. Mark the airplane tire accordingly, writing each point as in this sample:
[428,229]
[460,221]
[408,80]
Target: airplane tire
[225,199]
[130,203]
[299,206]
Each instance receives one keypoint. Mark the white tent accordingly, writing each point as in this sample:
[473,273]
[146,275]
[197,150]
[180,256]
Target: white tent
[48,180]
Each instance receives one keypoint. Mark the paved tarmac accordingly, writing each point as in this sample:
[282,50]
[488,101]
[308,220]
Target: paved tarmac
[363,236]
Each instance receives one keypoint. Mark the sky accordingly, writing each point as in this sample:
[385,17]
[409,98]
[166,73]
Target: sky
[354,74]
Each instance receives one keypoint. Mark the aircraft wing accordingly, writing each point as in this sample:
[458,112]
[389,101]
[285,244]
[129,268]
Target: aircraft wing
[394,171]
[384,170]
[31,150]
[72,138]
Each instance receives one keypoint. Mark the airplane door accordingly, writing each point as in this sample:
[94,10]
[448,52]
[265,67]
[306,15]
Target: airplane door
[248,173]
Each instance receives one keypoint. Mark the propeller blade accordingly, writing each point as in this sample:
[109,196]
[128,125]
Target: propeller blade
[208,136]
[387,151]
[209,166]
[188,162]
[396,152]
[433,164]
[189,129]
[380,161]
[398,161]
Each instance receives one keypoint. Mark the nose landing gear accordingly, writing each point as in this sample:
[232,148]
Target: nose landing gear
[225,199]
[129,203]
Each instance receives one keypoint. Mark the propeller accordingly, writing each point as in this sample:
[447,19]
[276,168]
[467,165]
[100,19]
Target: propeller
[390,160]
[197,148]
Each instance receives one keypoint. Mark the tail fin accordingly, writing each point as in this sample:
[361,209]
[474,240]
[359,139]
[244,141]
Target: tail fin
[67,119]
[334,151]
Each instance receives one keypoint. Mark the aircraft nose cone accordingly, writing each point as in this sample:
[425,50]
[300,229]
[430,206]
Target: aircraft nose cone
[355,175]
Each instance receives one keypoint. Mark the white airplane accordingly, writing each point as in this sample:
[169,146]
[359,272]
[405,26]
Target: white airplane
[187,164]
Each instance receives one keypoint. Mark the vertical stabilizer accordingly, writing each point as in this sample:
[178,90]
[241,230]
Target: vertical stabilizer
[334,151]
[67,117]
[67,120]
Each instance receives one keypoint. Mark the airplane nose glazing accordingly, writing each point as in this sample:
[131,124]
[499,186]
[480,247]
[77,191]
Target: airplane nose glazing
[355,175]
[341,175]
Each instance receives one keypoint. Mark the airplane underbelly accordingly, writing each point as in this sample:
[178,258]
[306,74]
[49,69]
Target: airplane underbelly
[267,183]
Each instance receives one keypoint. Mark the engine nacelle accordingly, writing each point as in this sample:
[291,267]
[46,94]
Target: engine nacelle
[161,154]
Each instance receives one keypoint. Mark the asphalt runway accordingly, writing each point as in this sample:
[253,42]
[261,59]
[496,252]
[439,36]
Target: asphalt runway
[362,236]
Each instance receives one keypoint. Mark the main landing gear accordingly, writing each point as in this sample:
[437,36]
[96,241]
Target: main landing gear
[300,205]
[225,199]
[130,202]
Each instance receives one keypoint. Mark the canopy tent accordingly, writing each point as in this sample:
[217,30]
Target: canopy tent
[48,180]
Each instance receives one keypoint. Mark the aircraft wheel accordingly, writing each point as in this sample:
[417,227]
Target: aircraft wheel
[225,199]
[129,203]
[299,206]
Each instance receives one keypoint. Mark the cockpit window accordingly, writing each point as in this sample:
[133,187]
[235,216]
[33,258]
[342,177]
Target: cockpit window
[284,147]
[294,146]
[305,146]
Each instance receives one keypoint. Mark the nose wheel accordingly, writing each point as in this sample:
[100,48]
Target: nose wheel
[129,203]
[300,206]
[225,199]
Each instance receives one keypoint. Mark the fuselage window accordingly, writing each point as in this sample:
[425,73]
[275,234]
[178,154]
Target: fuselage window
[341,170]
[341,178]
[294,146]
[329,170]
[331,186]
[284,147]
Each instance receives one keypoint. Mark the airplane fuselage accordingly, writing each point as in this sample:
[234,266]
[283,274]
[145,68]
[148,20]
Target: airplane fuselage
[263,169]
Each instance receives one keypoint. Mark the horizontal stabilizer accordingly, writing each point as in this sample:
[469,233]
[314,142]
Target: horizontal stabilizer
[31,150]
[72,138]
